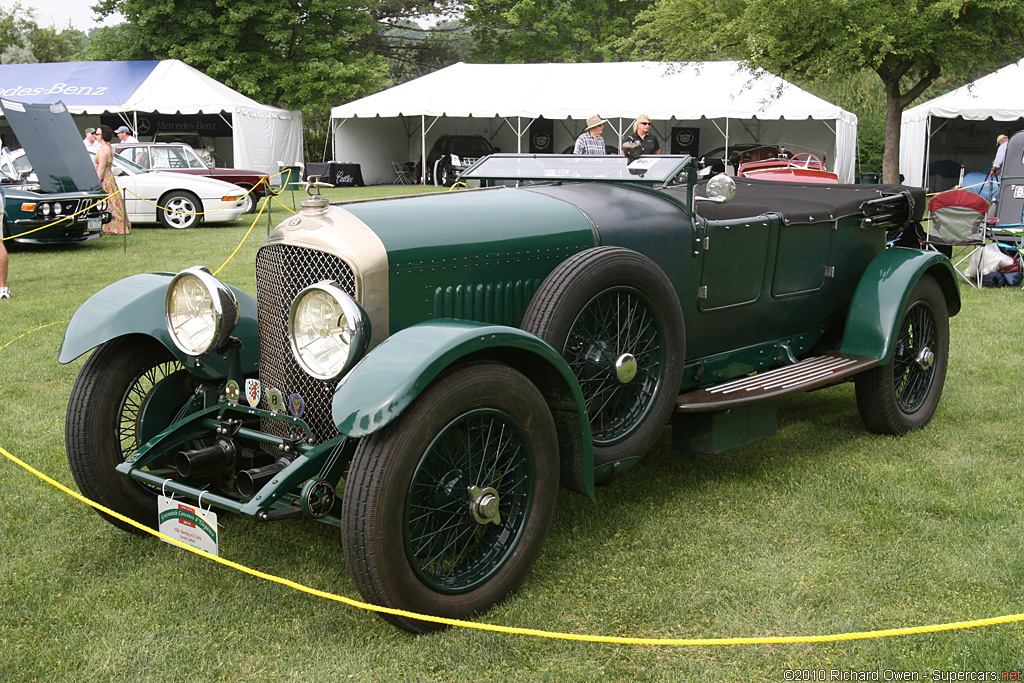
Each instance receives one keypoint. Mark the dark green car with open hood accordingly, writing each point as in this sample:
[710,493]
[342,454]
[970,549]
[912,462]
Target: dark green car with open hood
[426,372]
[52,193]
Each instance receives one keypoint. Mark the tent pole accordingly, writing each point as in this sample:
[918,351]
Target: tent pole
[423,149]
[927,153]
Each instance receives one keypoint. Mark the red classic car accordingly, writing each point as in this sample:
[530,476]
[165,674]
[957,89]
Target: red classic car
[775,162]
[181,158]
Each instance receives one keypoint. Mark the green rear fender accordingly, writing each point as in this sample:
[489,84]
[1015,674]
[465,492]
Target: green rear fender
[135,305]
[388,379]
[882,294]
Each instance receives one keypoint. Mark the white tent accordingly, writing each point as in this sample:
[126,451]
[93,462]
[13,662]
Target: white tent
[961,126]
[725,101]
[261,136]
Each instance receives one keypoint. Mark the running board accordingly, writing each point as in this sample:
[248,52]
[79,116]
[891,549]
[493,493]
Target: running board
[791,379]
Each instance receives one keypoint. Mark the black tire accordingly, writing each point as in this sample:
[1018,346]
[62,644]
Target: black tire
[903,394]
[104,422]
[599,308]
[180,210]
[420,487]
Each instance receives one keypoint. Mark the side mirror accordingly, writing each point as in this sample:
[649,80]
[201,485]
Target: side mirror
[721,190]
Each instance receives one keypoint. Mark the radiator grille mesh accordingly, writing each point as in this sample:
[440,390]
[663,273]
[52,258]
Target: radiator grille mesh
[282,272]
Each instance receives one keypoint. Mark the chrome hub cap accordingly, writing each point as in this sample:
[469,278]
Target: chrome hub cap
[625,368]
[484,505]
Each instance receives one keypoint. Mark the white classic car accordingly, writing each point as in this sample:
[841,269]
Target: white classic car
[175,200]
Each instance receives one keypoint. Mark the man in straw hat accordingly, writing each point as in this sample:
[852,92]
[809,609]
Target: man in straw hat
[591,141]
[997,163]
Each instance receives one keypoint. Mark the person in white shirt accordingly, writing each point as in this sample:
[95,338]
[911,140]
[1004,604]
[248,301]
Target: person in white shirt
[91,143]
[124,134]
[997,162]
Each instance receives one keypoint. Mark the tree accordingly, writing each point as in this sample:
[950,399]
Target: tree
[417,50]
[298,54]
[551,30]
[908,44]
[22,41]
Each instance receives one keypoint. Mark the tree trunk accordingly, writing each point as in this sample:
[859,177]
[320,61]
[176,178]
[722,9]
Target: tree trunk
[893,121]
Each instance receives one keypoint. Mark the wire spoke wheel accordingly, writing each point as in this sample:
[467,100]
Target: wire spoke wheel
[129,389]
[616,349]
[468,501]
[914,363]
[615,317]
[445,509]
[904,393]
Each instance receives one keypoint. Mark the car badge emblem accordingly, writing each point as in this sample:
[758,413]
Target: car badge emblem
[296,406]
[232,391]
[295,221]
[252,392]
[275,400]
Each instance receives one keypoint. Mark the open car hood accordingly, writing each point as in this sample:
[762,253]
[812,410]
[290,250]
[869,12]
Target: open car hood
[53,145]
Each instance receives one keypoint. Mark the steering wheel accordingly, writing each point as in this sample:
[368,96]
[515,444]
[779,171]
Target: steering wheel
[807,158]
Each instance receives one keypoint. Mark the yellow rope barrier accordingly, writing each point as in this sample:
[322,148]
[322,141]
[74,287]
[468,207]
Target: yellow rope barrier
[513,630]
[256,220]
[41,327]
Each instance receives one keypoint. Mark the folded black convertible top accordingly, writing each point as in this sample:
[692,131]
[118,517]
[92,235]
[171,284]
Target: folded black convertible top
[806,202]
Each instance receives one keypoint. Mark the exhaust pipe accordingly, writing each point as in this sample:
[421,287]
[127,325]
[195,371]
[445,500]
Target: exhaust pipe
[251,481]
[205,462]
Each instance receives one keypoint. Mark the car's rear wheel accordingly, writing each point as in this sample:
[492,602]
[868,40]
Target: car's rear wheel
[903,394]
[445,509]
[107,420]
[615,318]
[180,210]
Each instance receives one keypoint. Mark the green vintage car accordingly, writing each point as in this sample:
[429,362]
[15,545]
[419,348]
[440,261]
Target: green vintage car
[426,372]
[60,201]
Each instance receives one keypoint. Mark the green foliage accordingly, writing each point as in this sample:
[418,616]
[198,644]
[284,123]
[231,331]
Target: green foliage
[908,44]
[529,31]
[417,50]
[861,93]
[23,41]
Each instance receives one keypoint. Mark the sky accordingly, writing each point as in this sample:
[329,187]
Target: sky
[57,13]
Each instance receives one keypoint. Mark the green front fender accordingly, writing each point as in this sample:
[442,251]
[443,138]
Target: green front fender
[882,294]
[389,378]
[135,305]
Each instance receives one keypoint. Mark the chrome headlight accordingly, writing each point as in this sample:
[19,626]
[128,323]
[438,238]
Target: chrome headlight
[201,311]
[44,209]
[327,330]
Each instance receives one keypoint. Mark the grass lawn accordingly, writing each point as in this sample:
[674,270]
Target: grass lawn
[821,529]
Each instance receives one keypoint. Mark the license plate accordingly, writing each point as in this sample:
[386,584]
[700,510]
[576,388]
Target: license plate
[94,224]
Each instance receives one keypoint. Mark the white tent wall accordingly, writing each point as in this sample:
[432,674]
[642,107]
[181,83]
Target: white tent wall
[263,138]
[499,101]
[961,126]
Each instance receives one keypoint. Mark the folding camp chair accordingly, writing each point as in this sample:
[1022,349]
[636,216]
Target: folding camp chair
[957,229]
[402,174]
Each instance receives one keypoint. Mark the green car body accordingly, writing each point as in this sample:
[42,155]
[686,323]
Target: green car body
[488,346]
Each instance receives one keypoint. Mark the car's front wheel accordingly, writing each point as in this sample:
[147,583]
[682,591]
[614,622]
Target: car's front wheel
[445,510]
[180,210]
[250,200]
[903,394]
[107,420]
